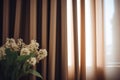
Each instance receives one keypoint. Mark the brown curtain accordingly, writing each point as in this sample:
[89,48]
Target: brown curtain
[43,20]
[47,22]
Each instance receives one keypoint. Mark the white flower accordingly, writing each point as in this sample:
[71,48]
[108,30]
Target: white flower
[24,51]
[41,54]
[33,46]
[2,53]
[20,43]
[14,47]
[10,43]
[32,61]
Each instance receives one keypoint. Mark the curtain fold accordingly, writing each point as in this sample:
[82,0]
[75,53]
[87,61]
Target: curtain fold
[82,43]
[64,56]
[100,39]
[44,36]
[17,19]
[5,19]
[52,40]
[1,21]
[76,51]
[33,26]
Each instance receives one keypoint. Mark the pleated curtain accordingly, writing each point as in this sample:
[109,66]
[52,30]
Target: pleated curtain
[96,70]
[46,22]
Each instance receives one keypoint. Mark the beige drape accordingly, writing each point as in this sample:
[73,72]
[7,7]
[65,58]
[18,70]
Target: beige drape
[46,21]
[96,71]
[5,19]
[29,17]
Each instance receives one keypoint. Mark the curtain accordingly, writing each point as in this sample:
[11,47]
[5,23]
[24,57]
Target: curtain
[43,20]
[94,48]
[112,39]
[72,31]
[98,60]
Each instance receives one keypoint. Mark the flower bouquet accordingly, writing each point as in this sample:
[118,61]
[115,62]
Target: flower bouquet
[18,58]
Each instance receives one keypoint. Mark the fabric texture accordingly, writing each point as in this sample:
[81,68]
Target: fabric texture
[46,22]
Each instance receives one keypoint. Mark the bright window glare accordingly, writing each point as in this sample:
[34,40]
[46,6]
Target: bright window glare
[88,33]
[109,11]
[108,16]
[78,21]
[69,31]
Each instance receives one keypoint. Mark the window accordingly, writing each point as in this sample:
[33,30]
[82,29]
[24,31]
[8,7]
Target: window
[112,33]
[112,39]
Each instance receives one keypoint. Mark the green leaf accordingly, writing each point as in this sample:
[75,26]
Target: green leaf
[34,72]
[11,55]
[8,63]
[7,51]
[23,58]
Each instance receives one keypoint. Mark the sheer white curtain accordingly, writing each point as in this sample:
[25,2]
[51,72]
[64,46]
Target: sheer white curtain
[112,38]
[99,45]
[87,28]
